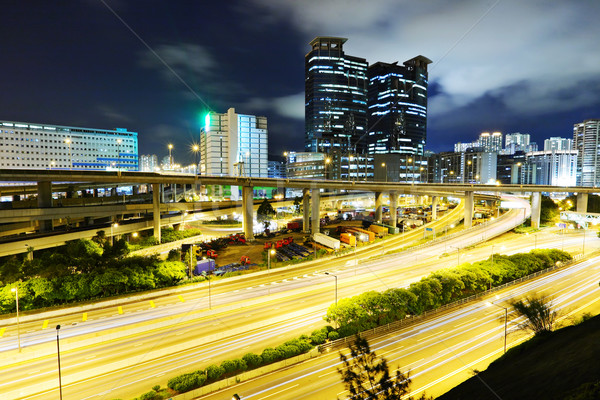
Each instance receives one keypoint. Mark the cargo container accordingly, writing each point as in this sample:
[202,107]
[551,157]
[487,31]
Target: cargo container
[379,230]
[204,266]
[326,241]
[294,225]
[371,235]
[392,230]
[348,238]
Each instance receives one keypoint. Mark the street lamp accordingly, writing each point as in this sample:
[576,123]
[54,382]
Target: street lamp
[58,354]
[112,237]
[52,164]
[336,286]
[270,253]
[15,290]
[68,142]
[505,320]
[383,165]
[170,146]
[327,162]
[457,254]
[196,149]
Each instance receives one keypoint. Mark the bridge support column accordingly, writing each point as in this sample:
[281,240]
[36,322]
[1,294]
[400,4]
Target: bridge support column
[44,200]
[393,208]
[135,190]
[469,209]
[161,190]
[434,204]
[582,202]
[315,202]
[536,209]
[156,209]
[248,211]
[306,210]
[174,192]
[378,207]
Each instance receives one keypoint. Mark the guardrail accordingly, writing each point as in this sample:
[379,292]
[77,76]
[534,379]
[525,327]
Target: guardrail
[336,344]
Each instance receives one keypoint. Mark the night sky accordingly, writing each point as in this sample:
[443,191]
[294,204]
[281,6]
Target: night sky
[514,66]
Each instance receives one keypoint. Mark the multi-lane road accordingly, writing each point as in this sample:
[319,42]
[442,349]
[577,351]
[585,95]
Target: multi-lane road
[125,354]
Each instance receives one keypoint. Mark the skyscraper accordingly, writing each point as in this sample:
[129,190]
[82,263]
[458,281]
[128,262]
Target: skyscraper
[586,140]
[336,97]
[558,143]
[397,101]
[491,143]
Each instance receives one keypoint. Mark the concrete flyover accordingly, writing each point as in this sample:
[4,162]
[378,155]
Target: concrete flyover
[46,179]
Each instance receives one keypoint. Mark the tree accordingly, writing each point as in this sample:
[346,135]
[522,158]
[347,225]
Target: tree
[366,376]
[264,213]
[540,316]
[297,205]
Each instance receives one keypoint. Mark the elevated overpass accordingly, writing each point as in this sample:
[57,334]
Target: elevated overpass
[46,182]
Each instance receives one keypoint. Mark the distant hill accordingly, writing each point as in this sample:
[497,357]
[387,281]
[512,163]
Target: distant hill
[564,364]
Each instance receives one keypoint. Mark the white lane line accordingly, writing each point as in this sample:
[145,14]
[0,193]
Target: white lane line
[432,335]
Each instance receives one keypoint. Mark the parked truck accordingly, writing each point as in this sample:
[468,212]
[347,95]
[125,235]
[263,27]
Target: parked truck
[379,230]
[348,238]
[326,241]
[205,266]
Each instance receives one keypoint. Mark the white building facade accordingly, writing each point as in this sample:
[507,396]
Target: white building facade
[41,146]
[586,140]
[553,167]
[234,144]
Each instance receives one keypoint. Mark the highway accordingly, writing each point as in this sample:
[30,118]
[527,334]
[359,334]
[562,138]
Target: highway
[440,351]
[252,313]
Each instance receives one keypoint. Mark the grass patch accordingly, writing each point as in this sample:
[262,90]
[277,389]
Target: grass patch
[552,366]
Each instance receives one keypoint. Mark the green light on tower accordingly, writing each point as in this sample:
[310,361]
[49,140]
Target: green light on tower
[207,122]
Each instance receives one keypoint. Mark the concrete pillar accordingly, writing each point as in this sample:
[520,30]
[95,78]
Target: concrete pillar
[44,200]
[393,208]
[156,209]
[96,192]
[161,189]
[469,209]
[248,211]
[315,202]
[174,192]
[113,191]
[378,207]
[338,205]
[434,205]
[582,202]
[306,210]
[536,209]
[135,190]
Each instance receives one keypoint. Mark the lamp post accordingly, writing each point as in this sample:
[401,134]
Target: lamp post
[327,162]
[505,320]
[270,253]
[336,286]
[170,146]
[68,142]
[15,290]
[383,165]
[457,254]
[112,237]
[58,354]
[196,149]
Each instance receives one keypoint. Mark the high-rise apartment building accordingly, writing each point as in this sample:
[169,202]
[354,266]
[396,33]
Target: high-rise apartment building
[558,143]
[586,140]
[336,98]
[552,167]
[149,163]
[234,144]
[491,143]
[25,145]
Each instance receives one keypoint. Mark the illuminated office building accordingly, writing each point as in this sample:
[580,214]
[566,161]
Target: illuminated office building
[25,145]
[336,98]
[491,143]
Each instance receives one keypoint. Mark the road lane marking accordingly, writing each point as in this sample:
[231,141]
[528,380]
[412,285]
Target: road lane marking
[432,335]
[45,324]
[282,390]
[120,310]
[152,304]
[33,372]
[2,330]
[181,298]
[84,317]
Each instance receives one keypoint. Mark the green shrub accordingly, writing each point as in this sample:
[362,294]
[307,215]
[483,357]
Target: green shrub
[333,335]
[186,382]
[252,360]
[270,355]
[151,396]
[229,366]
[241,365]
[214,372]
